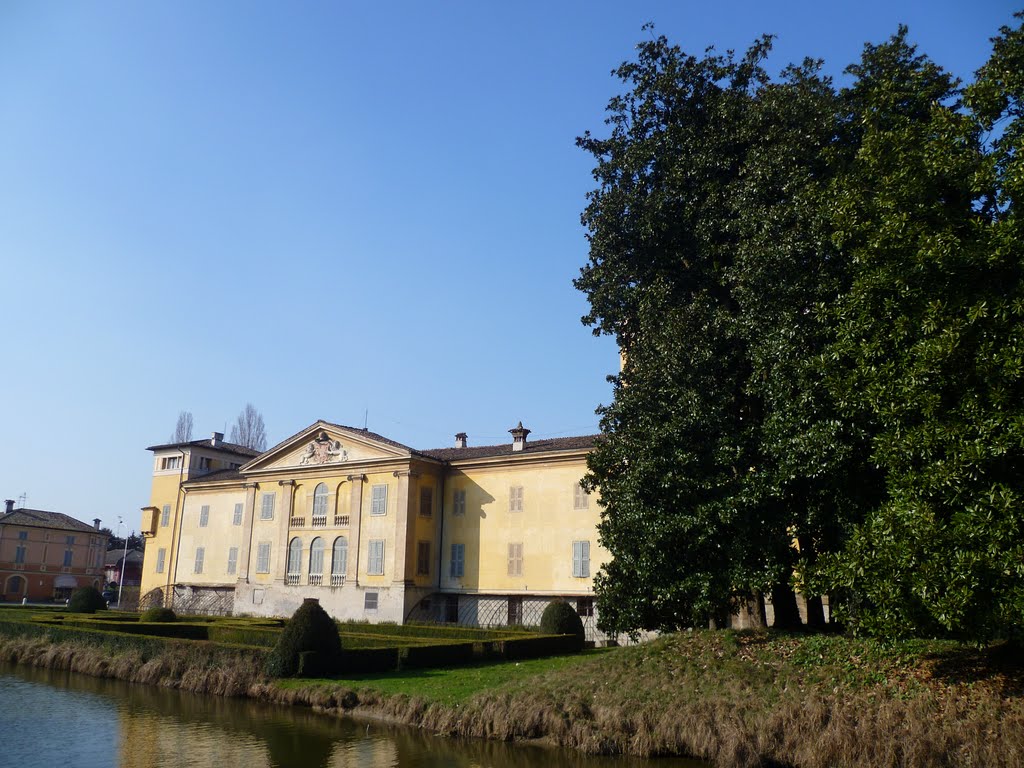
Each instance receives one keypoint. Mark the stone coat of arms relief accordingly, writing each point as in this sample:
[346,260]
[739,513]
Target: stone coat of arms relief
[323,450]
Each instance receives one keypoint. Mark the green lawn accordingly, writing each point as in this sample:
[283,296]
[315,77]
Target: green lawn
[455,685]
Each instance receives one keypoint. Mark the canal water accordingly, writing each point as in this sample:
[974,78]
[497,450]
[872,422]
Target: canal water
[54,719]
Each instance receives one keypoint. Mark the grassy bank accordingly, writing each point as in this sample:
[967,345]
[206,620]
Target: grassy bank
[736,699]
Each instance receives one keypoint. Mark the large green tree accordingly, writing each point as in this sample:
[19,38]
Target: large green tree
[707,257]
[929,345]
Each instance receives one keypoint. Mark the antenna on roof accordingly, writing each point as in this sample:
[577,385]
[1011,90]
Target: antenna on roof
[366,417]
[23,499]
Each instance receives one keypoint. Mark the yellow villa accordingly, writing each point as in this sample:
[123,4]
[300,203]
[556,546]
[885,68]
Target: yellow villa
[374,529]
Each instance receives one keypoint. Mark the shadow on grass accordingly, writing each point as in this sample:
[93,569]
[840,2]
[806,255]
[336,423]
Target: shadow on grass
[1000,666]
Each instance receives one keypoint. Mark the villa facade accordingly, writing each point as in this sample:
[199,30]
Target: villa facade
[374,529]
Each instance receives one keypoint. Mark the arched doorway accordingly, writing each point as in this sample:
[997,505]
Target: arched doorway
[15,587]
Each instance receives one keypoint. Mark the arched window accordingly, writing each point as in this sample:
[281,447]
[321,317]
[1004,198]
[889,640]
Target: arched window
[294,561]
[316,561]
[320,500]
[15,586]
[339,563]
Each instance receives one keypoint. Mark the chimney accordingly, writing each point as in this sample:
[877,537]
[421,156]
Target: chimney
[96,523]
[519,433]
[460,440]
[10,506]
[216,439]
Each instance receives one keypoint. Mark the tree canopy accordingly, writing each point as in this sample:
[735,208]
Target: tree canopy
[818,295]
[248,429]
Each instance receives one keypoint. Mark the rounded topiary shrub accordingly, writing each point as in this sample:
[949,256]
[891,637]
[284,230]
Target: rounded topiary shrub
[86,600]
[158,613]
[309,643]
[560,618]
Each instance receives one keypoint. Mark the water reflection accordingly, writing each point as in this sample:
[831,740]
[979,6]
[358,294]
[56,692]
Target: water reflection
[54,718]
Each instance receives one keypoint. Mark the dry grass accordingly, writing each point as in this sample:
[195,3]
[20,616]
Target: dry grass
[734,699]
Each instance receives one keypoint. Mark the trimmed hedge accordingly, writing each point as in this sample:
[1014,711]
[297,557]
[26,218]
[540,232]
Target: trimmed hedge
[560,618]
[86,600]
[311,630]
[159,613]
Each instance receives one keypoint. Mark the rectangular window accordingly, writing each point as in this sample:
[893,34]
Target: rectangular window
[165,516]
[204,463]
[22,535]
[204,515]
[68,557]
[263,557]
[375,558]
[379,500]
[232,560]
[458,567]
[581,559]
[70,541]
[267,506]
[515,610]
[459,503]
[585,607]
[19,555]
[237,520]
[370,601]
[161,555]
[580,498]
[515,559]
[200,556]
[170,462]
[423,558]
[426,502]
[515,498]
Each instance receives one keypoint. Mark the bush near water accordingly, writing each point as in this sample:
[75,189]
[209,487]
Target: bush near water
[308,644]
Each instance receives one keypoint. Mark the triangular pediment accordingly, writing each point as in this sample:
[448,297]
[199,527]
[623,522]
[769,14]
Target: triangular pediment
[323,445]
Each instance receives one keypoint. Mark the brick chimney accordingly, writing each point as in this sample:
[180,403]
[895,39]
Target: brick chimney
[216,439]
[10,506]
[519,433]
[96,523]
[460,440]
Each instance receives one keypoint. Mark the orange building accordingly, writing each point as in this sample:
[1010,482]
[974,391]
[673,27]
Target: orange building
[46,555]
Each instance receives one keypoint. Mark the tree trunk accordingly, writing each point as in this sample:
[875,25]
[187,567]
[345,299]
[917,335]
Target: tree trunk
[815,613]
[787,615]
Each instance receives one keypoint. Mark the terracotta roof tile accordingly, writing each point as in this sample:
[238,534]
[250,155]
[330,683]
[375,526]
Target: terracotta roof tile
[39,518]
[580,442]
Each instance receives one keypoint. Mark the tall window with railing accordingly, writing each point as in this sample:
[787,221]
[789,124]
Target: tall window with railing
[294,570]
[316,562]
[320,506]
[339,561]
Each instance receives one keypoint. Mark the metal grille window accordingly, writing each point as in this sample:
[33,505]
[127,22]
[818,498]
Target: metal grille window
[165,516]
[370,601]
[204,515]
[161,556]
[458,565]
[200,557]
[237,519]
[375,558]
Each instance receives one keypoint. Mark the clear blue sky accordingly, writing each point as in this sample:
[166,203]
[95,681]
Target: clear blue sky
[324,209]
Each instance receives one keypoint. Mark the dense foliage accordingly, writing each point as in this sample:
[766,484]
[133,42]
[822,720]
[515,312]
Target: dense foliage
[819,296]
[560,618]
[86,600]
[310,629]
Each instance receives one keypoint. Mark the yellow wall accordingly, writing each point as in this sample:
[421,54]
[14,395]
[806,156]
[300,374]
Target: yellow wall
[546,527]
